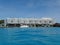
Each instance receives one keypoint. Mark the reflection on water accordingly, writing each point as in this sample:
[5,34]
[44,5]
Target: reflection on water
[30,36]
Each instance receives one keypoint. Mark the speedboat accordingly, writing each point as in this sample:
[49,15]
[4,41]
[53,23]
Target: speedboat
[22,26]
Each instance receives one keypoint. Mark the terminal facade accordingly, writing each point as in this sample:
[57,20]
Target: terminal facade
[31,22]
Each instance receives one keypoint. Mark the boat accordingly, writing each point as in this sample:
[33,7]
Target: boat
[22,26]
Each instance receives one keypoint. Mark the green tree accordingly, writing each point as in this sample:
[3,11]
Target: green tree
[1,21]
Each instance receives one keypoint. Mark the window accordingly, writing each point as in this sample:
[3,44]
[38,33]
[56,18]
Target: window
[50,21]
[11,20]
[40,21]
[45,21]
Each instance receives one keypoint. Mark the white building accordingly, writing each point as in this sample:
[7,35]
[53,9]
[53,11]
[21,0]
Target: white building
[26,21]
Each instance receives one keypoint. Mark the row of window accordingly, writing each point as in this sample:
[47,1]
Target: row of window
[30,21]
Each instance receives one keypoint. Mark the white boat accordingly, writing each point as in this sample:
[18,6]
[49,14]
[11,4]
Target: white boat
[22,26]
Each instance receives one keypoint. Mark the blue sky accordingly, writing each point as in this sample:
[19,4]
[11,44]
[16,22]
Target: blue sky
[30,9]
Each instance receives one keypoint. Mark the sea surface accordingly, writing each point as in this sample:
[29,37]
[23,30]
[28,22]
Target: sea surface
[30,36]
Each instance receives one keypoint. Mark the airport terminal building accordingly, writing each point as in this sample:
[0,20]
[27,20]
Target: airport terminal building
[31,22]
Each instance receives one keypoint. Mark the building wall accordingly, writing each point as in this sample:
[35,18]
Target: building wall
[29,21]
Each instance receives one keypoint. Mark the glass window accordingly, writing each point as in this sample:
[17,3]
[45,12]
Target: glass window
[50,21]
[11,20]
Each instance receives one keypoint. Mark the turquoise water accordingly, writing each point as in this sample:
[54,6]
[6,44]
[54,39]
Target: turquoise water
[30,36]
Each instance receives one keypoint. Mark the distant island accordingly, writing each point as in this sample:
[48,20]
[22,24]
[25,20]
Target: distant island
[28,22]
